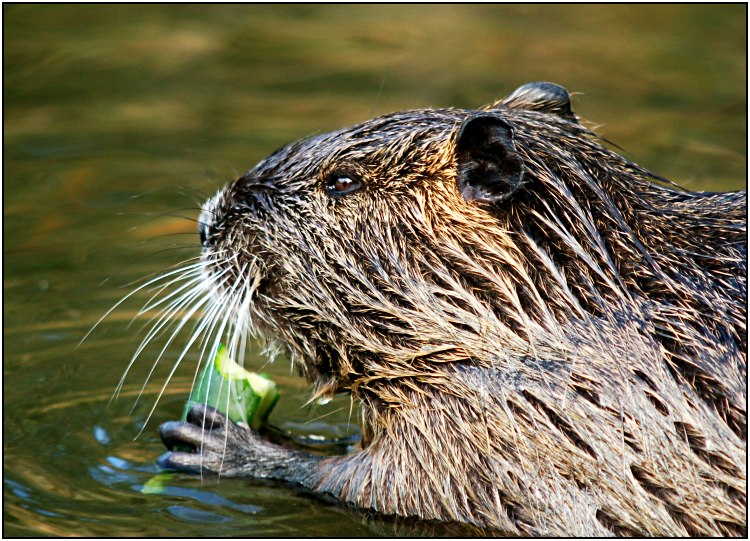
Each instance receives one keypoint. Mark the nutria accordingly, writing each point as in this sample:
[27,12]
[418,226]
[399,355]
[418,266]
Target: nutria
[545,338]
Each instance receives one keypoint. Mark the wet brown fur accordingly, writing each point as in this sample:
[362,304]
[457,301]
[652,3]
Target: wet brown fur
[569,359]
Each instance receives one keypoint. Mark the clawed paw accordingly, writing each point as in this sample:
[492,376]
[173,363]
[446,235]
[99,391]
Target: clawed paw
[208,442]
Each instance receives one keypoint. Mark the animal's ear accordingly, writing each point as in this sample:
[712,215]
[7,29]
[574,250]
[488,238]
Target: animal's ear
[542,97]
[489,169]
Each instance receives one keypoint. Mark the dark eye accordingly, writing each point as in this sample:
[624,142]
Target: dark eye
[342,184]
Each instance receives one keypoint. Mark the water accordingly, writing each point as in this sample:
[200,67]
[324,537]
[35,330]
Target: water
[120,120]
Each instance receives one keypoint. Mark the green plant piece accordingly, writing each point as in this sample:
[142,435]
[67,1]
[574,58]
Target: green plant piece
[158,483]
[241,395]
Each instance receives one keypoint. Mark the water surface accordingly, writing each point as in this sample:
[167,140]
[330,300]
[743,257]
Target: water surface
[120,120]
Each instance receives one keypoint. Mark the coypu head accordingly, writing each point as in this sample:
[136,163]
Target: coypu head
[331,244]
[426,237]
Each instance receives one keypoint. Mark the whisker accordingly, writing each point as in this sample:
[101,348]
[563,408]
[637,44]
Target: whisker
[164,319]
[235,328]
[226,321]
[195,285]
[194,337]
[323,416]
[176,364]
[118,303]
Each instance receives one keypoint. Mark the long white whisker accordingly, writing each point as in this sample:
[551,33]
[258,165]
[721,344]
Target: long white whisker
[164,318]
[193,275]
[225,322]
[196,306]
[194,287]
[237,312]
[193,338]
[177,362]
[126,297]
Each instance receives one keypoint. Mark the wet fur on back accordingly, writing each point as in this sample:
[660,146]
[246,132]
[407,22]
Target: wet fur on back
[545,338]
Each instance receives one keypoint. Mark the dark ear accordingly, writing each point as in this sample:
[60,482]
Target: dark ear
[488,166]
[543,97]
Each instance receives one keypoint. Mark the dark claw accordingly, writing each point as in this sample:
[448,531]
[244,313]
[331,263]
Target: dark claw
[185,462]
[207,417]
[163,460]
[205,430]
[175,434]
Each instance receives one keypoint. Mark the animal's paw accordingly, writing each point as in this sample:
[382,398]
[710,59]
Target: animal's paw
[210,442]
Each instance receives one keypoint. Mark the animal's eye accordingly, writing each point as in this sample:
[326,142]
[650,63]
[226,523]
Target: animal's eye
[342,184]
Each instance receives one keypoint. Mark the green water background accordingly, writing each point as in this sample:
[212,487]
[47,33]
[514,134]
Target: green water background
[120,119]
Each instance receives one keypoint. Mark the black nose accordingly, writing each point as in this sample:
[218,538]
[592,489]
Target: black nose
[203,233]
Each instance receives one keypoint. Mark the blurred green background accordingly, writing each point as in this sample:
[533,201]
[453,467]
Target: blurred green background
[120,119]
